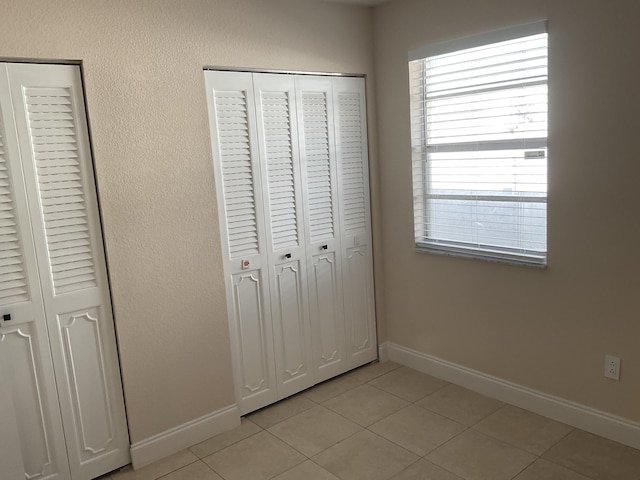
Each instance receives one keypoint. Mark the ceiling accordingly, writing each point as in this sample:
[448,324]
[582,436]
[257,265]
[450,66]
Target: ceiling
[364,3]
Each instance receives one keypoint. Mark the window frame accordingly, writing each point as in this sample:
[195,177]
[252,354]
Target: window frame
[420,154]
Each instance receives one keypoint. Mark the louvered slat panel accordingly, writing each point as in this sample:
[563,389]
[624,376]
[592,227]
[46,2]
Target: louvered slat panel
[13,284]
[316,135]
[62,198]
[237,173]
[276,120]
[352,161]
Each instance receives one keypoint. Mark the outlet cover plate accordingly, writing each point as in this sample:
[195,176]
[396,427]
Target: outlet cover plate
[612,367]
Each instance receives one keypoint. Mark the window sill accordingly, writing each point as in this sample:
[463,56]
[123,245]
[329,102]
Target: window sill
[483,255]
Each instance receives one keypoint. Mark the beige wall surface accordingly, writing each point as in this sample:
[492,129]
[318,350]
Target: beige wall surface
[545,329]
[143,68]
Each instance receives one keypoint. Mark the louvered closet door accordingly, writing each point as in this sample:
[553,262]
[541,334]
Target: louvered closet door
[318,161]
[240,208]
[351,140]
[280,167]
[54,146]
[31,435]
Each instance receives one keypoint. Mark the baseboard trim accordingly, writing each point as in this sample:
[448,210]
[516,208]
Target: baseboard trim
[173,440]
[586,418]
[383,352]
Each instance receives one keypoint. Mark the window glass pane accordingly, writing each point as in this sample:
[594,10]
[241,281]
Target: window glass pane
[519,112]
[479,143]
[493,172]
[489,223]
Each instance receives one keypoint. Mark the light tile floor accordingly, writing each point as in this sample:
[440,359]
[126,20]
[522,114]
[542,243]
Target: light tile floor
[387,422]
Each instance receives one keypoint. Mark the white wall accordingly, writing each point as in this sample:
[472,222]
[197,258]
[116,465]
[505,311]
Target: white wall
[545,329]
[143,67]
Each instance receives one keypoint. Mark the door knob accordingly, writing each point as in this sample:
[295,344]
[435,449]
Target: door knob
[6,317]
[287,255]
[324,247]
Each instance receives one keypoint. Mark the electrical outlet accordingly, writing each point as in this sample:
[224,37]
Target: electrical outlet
[612,367]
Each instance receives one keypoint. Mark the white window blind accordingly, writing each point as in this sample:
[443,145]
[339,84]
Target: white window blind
[479,143]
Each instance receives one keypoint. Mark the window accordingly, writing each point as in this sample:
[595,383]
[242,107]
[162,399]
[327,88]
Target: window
[479,143]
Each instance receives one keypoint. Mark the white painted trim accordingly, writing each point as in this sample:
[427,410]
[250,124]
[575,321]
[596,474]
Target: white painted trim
[175,439]
[383,352]
[586,418]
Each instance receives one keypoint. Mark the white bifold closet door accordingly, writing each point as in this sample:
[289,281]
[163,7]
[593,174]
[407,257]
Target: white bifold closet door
[355,225]
[244,243]
[277,125]
[62,413]
[297,263]
[324,261]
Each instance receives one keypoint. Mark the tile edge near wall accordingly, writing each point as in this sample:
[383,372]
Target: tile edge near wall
[601,423]
[175,439]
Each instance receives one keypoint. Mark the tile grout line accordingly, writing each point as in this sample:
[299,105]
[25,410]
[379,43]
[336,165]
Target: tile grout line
[402,408]
[409,402]
[397,444]
[226,446]
[537,457]
[213,470]
[321,404]
[556,443]
[573,429]
[289,445]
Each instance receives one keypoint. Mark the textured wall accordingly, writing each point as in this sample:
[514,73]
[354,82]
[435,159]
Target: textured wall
[545,329]
[142,63]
